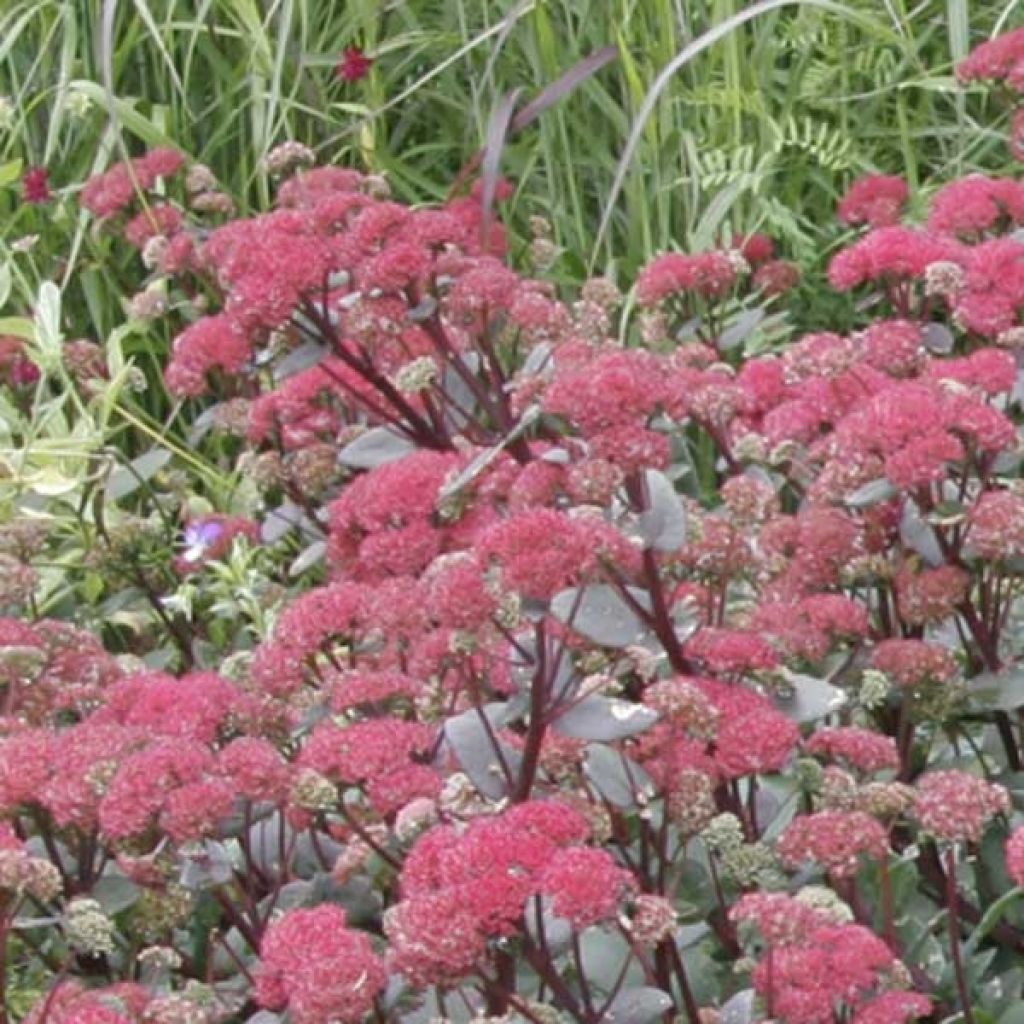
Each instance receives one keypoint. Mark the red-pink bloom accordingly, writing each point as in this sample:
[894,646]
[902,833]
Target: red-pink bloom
[1015,857]
[143,781]
[889,254]
[976,204]
[610,389]
[82,754]
[193,811]
[992,291]
[836,840]
[25,765]
[838,964]
[210,344]
[709,274]
[780,919]
[912,663]
[861,749]
[162,162]
[354,65]
[955,806]
[255,769]
[1017,134]
[585,885]
[108,193]
[337,612]
[923,460]
[731,651]
[755,744]
[776,277]
[999,58]
[997,525]
[319,969]
[540,551]
[158,219]
[992,371]
[875,199]
[70,1002]
[35,186]
[434,939]
[195,706]
[931,595]
[893,346]
[358,688]
[756,248]
[894,1007]
[482,876]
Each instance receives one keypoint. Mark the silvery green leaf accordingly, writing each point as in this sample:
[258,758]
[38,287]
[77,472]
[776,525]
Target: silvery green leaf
[938,338]
[303,322]
[294,894]
[663,524]
[689,329]
[5,283]
[740,329]
[461,401]
[810,698]
[483,757]
[308,557]
[738,1009]
[484,458]
[1006,463]
[205,865]
[126,479]
[264,1017]
[604,953]
[604,719]
[998,691]
[538,360]
[359,897]
[114,891]
[47,320]
[871,493]
[267,838]
[472,470]
[280,521]
[690,934]
[600,613]
[919,536]
[557,931]
[424,310]
[618,779]
[202,424]
[686,619]
[306,356]
[640,1005]
[374,448]
[556,456]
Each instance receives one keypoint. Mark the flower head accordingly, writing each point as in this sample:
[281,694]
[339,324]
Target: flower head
[354,65]
[35,186]
[953,805]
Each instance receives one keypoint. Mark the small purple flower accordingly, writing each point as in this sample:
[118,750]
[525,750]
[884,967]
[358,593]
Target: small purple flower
[200,536]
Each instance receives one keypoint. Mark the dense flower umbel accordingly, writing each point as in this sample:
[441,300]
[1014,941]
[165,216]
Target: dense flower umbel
[319,969]
[538,692]
[955,806]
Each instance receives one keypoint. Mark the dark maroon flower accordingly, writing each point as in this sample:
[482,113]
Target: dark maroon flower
[354,64]
[35,185]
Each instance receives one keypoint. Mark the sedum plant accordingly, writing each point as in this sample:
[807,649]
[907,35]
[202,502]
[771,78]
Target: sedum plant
[656,671]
